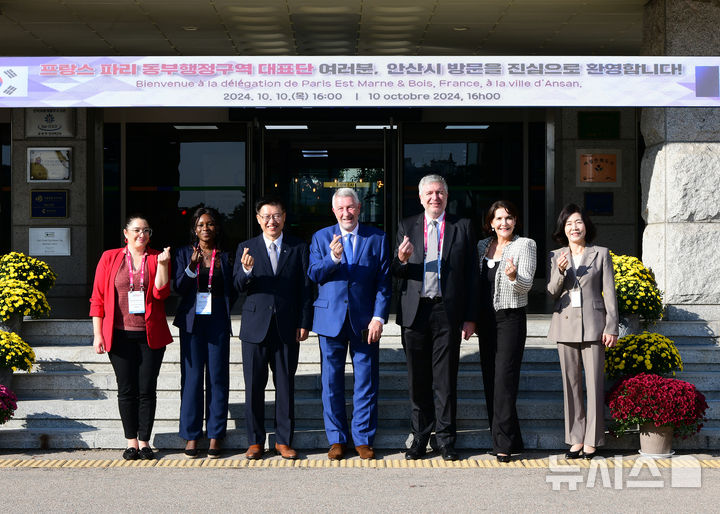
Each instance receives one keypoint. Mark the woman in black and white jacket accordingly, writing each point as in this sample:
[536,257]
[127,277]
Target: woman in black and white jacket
[507,267]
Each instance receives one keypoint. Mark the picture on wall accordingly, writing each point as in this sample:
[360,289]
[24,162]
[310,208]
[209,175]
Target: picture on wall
[49,165]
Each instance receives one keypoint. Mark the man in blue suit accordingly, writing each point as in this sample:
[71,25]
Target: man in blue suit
[271,269]
[350,263]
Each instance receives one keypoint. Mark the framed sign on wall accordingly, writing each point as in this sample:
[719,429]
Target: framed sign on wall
[49,164]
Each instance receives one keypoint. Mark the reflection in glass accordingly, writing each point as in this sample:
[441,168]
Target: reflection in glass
[307,184]
[479,167]
[171,173]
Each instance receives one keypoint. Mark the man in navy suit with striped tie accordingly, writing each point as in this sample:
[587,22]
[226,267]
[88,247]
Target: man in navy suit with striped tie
[350,264]
[277,314]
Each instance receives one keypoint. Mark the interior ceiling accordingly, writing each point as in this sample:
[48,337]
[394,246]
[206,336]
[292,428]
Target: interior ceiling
[320,27]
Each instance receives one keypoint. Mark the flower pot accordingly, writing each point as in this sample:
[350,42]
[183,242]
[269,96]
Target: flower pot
[655,441]
[13,323]
[6,375]
[629,324]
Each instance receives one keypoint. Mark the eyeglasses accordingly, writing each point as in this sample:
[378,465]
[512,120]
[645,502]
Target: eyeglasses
[275,217]
[138,231]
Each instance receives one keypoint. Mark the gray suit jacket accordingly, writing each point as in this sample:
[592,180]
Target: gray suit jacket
[599,312]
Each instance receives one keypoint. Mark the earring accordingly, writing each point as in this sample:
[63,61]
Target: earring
[126,239]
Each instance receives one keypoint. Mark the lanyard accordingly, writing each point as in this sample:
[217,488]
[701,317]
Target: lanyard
[440,237]
[130,270]
[210,275]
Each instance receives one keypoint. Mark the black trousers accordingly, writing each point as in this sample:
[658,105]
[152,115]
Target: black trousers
[283,362]
[432,349]
[502,343]
[136,368]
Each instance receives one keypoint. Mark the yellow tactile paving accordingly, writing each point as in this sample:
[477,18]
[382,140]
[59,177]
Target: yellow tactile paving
[541,463]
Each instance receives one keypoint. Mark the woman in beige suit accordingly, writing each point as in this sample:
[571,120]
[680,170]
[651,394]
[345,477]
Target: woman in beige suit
[584,322]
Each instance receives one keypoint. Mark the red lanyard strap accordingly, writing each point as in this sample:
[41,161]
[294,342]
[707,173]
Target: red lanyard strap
[130,270]
[440,236]
[210,275]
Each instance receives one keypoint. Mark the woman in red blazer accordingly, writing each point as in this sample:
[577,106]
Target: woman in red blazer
[128,311]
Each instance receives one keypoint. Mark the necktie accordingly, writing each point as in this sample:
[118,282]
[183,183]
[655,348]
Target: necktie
[431,262]
[349,251]
[273,257]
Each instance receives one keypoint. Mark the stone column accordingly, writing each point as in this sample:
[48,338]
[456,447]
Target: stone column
[680,170]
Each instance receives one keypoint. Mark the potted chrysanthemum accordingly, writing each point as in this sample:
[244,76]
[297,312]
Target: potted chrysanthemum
[15,354]
[8,404]
[637,353]
[663,407]
[18,266]
[637,293]
[18,299]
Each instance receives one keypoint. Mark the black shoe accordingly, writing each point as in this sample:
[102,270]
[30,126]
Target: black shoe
[146,453]
[448,452]
[214,453]
[191,453]
[130,454]
[589,456]
[503,458]
[417,450]
[577,454]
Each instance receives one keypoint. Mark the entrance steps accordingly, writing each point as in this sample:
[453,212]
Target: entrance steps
[69,401]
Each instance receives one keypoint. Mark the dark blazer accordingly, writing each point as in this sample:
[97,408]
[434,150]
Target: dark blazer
[288,293]
[598,314]
[363,290]
[458,270]
[186,287]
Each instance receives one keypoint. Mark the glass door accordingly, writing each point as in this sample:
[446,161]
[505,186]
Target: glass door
[172,169]
[482,163]
[306,164]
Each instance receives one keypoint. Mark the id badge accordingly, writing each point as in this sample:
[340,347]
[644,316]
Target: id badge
[136,302]
[203,304]
[575,298]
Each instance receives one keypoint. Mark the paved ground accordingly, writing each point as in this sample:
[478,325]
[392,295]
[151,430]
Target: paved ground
[476,484]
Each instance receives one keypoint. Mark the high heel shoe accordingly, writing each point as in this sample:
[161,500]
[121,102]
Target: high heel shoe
[214,453]
[589,455]
[577,454]
[503,458]
[191,453]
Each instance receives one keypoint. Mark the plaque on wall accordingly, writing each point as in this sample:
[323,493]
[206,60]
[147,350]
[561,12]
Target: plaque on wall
[49,165]
[48,203]
[598,167]
[49,241]
[49,122]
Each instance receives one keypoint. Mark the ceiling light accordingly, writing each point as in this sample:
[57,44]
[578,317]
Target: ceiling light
[466,127]
[190,28]
[286,127]
[315,153]
[375,127]
[461,28]
[195,127]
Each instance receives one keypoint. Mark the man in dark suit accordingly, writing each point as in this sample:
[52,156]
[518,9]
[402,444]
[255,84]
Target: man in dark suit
[351,265]
[277,314]
[437,265]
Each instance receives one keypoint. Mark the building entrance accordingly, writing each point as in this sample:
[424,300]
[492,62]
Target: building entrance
[305,164]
